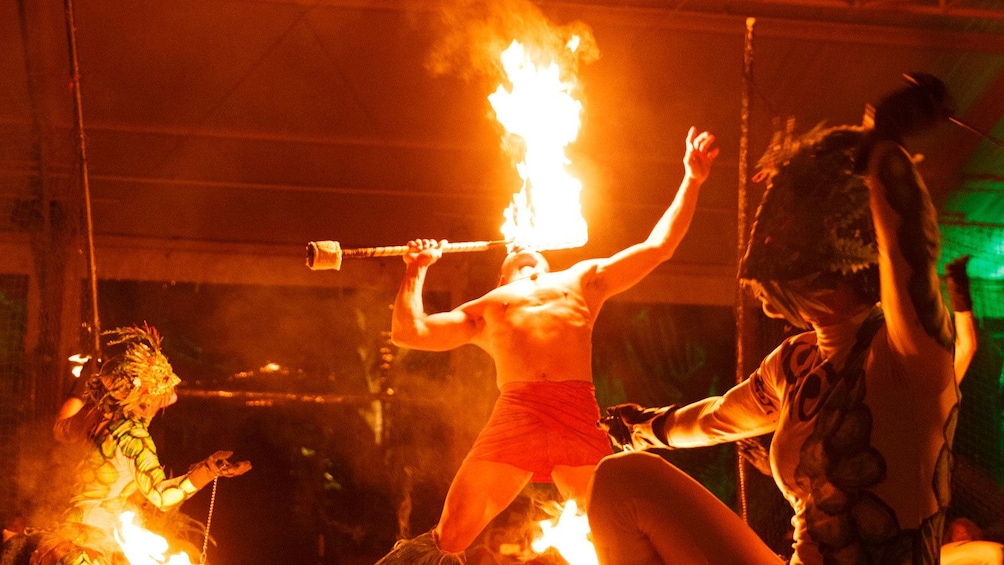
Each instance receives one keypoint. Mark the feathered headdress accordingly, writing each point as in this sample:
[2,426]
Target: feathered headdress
[814,215]
[141,374]
[814,224]
[813,219]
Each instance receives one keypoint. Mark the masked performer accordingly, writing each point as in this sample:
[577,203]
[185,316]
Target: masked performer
[537,327]
[862,405]
[754,450]
[122,458]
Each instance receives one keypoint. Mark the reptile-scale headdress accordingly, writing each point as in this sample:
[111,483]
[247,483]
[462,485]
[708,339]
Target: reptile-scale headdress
[814,225]
[141,374]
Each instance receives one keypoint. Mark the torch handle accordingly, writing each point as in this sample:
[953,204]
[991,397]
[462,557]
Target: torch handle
[329,254]
[398,250]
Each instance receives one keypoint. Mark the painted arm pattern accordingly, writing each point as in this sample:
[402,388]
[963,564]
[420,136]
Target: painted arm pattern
[134,442]
[908,239]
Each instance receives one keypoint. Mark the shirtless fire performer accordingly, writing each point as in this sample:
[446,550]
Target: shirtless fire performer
[121,458]
[862,404]
[537,327]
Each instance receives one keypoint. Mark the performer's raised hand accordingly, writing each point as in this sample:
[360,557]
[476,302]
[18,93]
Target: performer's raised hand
[424,252]
[958,284]
[700,153]
[634,428]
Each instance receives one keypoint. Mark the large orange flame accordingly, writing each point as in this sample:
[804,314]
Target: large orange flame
[569,534]
[77,362]
[542,117]
[143,547]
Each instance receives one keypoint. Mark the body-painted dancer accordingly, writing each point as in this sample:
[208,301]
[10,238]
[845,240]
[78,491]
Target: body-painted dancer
[121,459]
[537,327]
[862,405]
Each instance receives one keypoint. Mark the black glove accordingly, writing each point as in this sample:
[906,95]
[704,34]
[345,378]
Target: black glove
[634,428]
[958,284]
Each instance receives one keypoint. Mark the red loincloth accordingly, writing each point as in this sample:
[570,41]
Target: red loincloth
[537,425]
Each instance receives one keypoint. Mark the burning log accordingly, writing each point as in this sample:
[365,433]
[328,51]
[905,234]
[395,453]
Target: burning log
[328,255]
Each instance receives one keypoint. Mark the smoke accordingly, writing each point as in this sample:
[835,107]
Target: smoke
[326,341]
[43,475]
[474,34]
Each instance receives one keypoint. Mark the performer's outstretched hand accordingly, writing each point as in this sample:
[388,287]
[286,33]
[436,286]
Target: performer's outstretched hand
[220,464]
[216,465]
[634,428]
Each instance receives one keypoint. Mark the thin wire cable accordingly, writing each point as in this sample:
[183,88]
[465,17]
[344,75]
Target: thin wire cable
[214,106]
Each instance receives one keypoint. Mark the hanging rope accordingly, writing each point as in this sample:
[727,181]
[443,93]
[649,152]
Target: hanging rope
[741,321]
[78,108]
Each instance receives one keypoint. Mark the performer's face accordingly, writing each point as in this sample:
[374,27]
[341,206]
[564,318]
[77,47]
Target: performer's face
[786,301]
[521,263]
[149,410]
[813,300]
[769,310]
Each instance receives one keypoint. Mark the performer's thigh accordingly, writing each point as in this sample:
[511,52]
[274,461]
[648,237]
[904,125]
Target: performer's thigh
[573,482]
[479,492]
[644,511]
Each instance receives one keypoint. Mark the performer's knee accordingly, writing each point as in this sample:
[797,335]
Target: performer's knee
[453,539]
[622,470]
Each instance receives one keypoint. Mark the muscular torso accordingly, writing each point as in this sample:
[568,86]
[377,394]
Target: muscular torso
[538,328]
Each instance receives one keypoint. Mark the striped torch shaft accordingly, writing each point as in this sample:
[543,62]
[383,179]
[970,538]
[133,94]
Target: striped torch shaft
[328,255]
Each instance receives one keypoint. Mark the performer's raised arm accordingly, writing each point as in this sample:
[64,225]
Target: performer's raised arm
[410,325]
[627,267]
[906,223]
[163,493]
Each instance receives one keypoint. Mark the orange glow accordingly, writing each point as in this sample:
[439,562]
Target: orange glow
[143,547]
[541,117]
[271,368]
[78,360]
[569,534]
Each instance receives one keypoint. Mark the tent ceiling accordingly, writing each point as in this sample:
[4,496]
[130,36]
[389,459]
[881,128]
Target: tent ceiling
[282,121]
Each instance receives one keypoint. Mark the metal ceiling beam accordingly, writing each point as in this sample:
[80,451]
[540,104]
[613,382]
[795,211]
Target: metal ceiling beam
[942,10]
[832,10]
